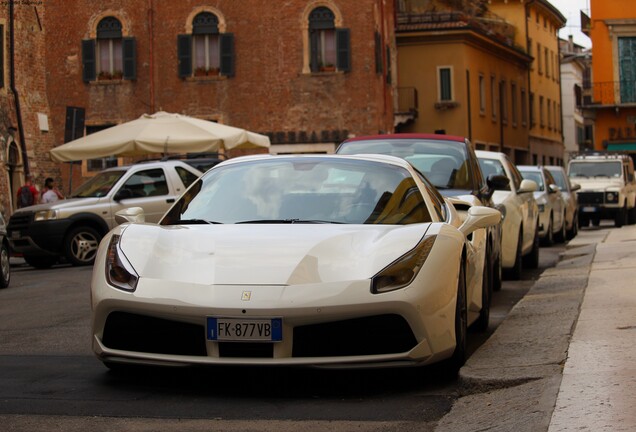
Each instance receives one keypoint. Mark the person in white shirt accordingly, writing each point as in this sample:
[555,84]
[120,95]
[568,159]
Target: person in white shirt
[50,193]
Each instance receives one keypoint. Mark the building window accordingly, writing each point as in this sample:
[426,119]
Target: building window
[549,115]
[547,62]
[533,116]
[524,107]
[503,94]
[493,97]
[627,71]
[110,56]
[539,58]
[445,84]
[329,47]
[513,95]
[95,165]
[482,95]
[541,116]
[207,51]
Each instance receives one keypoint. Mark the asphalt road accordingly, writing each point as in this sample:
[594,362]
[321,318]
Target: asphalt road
[50,380]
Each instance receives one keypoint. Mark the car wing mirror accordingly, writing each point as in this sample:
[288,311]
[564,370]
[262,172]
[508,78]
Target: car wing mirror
[498,182]
[575,187]
[480,217]
[528,186]
[132,215]
[553,188]
[123,194]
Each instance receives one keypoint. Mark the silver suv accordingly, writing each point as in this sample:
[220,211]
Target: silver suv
[608,188]
[73,228]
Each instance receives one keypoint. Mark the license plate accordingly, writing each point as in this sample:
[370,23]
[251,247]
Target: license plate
[15,234]
[241,329]
[589,209]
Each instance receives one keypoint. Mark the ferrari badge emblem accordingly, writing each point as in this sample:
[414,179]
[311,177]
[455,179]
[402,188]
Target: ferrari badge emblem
[246,296]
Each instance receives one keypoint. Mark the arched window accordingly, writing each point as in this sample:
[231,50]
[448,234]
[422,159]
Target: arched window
[206,51]
[326,42]
[111,55]
[109,49]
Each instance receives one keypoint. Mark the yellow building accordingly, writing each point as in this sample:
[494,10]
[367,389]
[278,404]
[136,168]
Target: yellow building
[537,23]
[460,73]
[612,94]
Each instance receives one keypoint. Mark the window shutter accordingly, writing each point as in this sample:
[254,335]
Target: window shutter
[313,55]
[227,54]
[184,54]
[343,49]
[88,60]
[130,58]
[379,67]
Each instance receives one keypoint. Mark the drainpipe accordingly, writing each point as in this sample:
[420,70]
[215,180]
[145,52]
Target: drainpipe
[14,90]
[531,113]
[150,54]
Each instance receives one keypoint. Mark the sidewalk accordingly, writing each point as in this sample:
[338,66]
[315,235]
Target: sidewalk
[563,359]
[598,390]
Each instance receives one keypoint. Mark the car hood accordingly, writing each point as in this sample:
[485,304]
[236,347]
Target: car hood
[258,254]
[597,183]
[62,204]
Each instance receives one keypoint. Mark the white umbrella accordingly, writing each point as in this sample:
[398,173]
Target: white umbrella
[161,132]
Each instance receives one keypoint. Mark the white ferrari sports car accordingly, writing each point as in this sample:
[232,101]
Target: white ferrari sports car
[317,260]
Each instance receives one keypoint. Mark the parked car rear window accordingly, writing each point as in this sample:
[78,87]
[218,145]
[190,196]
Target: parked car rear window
[99,185]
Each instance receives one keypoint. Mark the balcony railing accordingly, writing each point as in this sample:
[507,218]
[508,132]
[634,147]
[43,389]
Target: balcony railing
[610,93]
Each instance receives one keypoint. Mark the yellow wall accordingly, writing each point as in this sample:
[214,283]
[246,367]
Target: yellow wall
[419,57]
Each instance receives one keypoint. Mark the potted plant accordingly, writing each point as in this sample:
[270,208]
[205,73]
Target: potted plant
[328,67]
[213,72]
[117,75]
[200,71]
[103,75]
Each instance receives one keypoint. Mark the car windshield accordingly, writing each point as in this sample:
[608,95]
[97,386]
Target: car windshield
[595,169]
[303,190]
[559,179]
[493,167]
[99,185]
[443,162]
[536,177]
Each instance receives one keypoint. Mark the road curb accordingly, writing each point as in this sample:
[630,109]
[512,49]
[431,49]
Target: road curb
[513,379]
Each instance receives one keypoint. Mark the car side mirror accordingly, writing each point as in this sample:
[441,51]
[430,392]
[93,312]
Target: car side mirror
[575,187]
[497,182]
[123,194]
[528,186]
[480,217]
[553,188]
[132,215]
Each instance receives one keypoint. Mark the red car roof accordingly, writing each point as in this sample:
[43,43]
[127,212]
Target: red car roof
[407,136]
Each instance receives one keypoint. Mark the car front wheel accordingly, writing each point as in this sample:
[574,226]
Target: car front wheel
[458,358]
[81,245]
[5,267]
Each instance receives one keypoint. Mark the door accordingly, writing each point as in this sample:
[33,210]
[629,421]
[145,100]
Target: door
[147,189]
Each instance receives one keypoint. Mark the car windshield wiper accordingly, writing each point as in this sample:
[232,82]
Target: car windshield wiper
[194,222]
[287,221]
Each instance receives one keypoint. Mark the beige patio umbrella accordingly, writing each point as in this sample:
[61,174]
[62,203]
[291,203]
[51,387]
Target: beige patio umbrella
[161,132]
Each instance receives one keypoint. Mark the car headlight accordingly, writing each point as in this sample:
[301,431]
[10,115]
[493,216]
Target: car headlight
[541,208]
[401,272]
[611,197]
[119,271]
[43,215]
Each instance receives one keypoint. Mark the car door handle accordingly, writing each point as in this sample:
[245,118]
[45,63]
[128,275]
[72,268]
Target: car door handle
[170,200]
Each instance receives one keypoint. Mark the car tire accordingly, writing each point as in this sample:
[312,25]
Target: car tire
[5,266]
[549,237]
[40,261]
[532,259]
[621,217]
[515,272]
[584,220]
[482,322]
[574,230]
[631,216]
[457,360]
[561,236]
[81,245]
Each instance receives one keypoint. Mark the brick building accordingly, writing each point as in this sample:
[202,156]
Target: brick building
[308,74]
[25,132]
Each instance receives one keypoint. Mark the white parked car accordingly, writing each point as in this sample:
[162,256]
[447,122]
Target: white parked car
[568,192]
[551,204]
[520,233]
[293,260]
[5,268]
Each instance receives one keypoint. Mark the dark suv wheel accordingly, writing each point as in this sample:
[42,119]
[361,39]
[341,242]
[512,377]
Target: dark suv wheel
[81,245]
[5,268]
